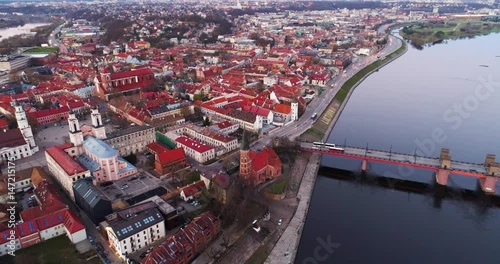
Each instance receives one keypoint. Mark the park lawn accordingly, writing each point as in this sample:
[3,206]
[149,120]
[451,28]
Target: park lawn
[427,34]
[278,187]
[53,251]
[42,50]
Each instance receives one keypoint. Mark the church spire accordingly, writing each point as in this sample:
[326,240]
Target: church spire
[244,141]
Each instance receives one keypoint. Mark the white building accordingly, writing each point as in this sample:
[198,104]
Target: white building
[129,232]
[17,143]
[195,149]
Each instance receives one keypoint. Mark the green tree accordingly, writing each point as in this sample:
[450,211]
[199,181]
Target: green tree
[439,34]
[132,158]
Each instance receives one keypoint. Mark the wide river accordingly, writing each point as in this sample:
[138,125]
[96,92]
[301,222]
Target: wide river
[444,96]
[9,32]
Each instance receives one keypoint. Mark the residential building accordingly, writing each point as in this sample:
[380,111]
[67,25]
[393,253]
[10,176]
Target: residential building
[22,179]
[195,149]
[219,182]
[129,232]
[181,247]
[192,191]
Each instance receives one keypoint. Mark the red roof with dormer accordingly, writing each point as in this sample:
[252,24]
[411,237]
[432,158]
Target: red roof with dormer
[193,144]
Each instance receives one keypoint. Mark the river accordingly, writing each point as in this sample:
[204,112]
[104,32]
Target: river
[438,97]
[9,32]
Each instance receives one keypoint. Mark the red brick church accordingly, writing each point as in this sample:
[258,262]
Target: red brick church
[258,167]
[128,82]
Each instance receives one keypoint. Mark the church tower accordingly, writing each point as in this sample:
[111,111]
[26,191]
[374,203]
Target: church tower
[23,125]
[245,160]
[295,110]
[98,128]
[75,134]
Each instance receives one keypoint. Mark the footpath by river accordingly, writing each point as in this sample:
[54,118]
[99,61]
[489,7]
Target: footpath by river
[285,249]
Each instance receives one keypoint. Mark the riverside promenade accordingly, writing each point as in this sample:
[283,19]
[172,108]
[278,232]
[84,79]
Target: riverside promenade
[286,248]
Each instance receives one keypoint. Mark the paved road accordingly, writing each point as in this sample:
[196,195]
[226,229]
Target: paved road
[319,104]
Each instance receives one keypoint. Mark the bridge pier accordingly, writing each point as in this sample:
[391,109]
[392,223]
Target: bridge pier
[444,171]
[364,166]
[442,176]
[489,184]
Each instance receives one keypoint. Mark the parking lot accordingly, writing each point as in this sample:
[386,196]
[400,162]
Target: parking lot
[131,186]
[23,198]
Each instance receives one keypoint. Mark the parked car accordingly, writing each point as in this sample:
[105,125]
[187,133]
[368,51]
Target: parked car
[280,221]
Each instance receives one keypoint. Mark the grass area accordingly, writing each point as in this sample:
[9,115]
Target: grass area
[436,31]
[43,50]
[278,187]
[53,251]
[319,128]
[259,256]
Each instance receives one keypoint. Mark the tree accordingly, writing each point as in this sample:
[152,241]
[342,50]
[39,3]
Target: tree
[33,123]
[439,34]
[206,121]
[12,122]
[132,158]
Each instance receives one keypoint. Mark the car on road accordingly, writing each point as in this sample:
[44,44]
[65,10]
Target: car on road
[124,187]
[280,221]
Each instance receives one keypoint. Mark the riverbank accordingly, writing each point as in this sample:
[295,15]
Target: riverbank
[286,249]
[324,123]
[422,33]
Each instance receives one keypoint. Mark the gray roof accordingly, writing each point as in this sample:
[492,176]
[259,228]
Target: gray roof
[124,228]
[127,131]
[99,148]
[88,163]
[89,192]
[244,141]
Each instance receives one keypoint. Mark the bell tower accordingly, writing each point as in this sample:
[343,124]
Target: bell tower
[295,110]
[245,160]
[98,128]
[75,134]
[23,125]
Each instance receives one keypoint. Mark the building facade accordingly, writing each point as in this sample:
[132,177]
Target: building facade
[131,140]
[133,232]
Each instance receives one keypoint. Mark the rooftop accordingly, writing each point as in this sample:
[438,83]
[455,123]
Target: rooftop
[65,161]
[193,144]
[135,223]
[99,148]
[127,131]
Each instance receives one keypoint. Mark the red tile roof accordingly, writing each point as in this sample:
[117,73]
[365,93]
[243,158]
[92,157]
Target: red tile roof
[69,165]
[283,109]
[27,228]
[267,157]
[71,222]
[193,144]
[132,73]
[170,156]
[49,112]
[11,138]
[4,235]
[50,220]
[157,148]
[194,188]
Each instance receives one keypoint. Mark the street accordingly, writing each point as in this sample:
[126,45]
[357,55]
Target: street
[319,104]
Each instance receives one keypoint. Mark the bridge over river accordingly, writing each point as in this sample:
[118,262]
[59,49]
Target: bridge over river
[487,172]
